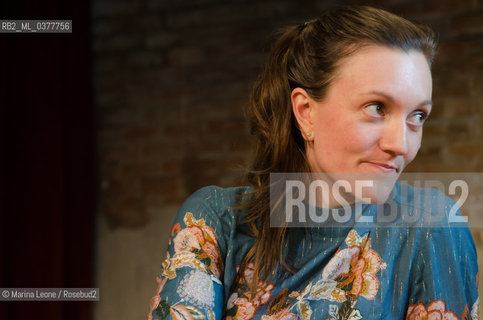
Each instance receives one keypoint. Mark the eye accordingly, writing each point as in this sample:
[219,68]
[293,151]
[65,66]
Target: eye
[417,118]
[375,109]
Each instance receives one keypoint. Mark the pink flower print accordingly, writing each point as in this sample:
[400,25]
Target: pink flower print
[246,310]
[180,312]
[156,299]
[417,311]
[209,233]
[263,294]
[189,239]
[436,310]
[242,299]
[354,268]
[200,240]
[212,251]
[341,263]
[366,283]
[249,272]
[176,228]
[281,315]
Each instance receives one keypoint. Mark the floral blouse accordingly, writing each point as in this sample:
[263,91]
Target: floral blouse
[352,271]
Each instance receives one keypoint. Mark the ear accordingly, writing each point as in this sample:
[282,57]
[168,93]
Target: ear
[302,108]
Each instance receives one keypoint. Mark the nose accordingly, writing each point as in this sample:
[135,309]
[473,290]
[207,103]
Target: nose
[394,139]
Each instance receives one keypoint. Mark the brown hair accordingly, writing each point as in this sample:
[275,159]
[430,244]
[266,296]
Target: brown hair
[306,56]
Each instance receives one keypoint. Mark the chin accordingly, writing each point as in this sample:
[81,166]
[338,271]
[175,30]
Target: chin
[369,187]
[375,189]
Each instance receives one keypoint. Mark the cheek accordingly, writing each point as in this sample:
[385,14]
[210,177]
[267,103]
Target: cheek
[329,136]
[414,143]
[358,139]
[345,138]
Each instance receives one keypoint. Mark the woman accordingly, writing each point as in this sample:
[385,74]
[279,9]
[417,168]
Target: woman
[345,93]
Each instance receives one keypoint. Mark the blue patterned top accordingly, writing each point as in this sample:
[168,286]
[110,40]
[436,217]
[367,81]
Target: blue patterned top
[353,271]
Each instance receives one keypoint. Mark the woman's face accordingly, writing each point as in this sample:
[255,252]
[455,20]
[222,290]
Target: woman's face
[371,118]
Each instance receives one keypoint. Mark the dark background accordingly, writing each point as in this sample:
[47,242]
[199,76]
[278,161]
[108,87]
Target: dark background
[48,167]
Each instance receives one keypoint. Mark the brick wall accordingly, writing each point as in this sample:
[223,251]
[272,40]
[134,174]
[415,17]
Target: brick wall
[171,83]
[171,79]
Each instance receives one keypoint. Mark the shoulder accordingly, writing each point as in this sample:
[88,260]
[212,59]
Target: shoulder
[212,209]
[214,201]
[206,221]
[428,206]
[216,196]
[420,197]
[442,230]
[446,262]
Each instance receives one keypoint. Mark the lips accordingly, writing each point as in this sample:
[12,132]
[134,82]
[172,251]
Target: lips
[386,167]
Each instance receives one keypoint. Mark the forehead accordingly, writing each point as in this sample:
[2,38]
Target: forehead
[380,68]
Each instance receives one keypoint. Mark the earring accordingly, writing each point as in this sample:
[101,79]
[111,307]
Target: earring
[309,134]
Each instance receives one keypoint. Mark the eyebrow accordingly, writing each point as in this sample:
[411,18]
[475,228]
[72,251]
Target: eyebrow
[390,98]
